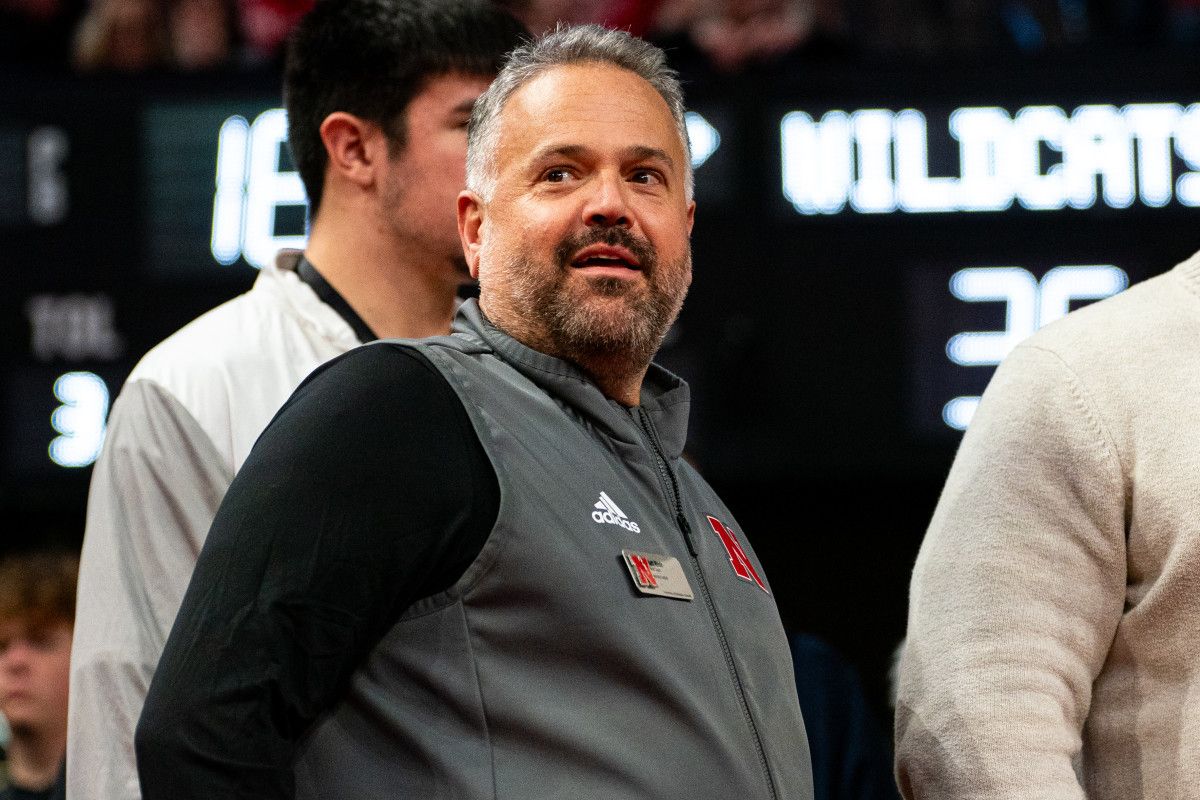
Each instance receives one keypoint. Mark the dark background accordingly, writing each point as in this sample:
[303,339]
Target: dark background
[815,344]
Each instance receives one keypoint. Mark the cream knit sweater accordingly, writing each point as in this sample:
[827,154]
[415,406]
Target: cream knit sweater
[1054,628]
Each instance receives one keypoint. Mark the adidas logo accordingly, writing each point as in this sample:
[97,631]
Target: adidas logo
[608,512]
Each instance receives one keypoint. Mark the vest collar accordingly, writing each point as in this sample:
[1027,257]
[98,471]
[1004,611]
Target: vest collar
[665,397]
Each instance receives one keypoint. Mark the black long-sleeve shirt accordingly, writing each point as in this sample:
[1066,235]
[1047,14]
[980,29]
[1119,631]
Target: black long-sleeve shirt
[368,491]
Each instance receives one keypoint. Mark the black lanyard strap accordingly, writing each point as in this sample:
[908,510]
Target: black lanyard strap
[330,297]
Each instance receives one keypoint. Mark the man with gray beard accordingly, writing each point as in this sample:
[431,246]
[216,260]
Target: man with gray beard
[408,592]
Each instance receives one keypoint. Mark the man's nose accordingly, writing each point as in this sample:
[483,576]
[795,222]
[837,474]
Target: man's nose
[606,205]
[15,657]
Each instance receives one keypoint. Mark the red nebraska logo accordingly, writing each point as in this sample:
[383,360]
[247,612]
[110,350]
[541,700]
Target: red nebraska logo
[737,556]
[645,576]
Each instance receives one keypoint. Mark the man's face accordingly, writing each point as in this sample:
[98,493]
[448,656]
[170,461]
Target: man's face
[34,674]
[583,250]
[426,175]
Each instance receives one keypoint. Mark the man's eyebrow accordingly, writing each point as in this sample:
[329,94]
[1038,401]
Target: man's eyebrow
[465,107]
[644,153]
[564,150]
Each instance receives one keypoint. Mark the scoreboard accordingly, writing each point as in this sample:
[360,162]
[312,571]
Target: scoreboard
[876,161]
[869,245]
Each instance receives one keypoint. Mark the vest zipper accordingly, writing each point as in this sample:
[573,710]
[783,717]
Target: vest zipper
[671,487]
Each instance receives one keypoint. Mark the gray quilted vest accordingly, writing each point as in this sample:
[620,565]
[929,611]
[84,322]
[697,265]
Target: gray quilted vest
[552,669]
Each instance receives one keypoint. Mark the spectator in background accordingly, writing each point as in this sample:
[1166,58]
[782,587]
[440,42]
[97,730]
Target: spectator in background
[969,29]
[38,31]
[730,33]
[265,25]
[729,36]
[736,33]
[122,36]
[37,613]
[540,16]
[202,33]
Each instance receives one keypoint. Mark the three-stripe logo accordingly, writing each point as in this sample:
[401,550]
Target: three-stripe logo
[610,513]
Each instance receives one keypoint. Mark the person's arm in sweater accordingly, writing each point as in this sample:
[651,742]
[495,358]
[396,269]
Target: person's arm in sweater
[1015,597]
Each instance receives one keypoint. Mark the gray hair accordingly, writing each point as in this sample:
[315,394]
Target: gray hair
[567,45]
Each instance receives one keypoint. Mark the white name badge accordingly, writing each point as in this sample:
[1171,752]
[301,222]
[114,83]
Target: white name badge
[655,574]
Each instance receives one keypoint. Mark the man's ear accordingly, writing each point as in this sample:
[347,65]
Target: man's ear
[355,146]
[471,212]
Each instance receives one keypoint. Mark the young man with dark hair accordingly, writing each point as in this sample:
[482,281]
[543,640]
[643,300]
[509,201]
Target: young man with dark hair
[378,93]
[409,591]
[37,612]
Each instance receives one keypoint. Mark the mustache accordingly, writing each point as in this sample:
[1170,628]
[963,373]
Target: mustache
[642,249]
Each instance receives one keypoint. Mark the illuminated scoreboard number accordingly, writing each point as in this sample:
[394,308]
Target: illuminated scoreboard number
[1029,304]
[75,328]
[33,181]
[80,420]
[876,161]
[48,198]
[58,417]
[251,186]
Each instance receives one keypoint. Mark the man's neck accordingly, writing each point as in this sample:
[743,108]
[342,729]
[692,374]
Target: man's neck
[616,378]
[34,758]
[395,289]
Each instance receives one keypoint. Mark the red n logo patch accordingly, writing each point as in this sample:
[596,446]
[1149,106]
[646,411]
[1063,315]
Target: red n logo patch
[644,576]
[737,556]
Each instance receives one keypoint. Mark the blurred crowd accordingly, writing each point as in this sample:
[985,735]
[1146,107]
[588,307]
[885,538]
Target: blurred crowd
[130,36]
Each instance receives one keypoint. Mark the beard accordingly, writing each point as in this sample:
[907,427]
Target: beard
[593,320]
